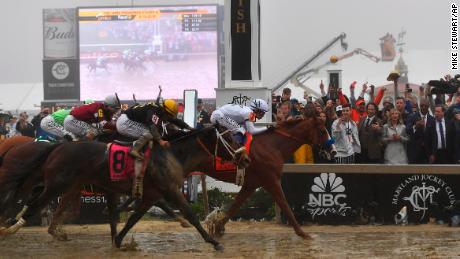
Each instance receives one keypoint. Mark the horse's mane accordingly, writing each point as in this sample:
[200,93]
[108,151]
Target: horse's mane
[291,122]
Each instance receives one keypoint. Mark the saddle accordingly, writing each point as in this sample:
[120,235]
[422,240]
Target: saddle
[121,164]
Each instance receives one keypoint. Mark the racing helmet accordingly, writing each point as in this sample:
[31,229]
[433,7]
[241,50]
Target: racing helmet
[170,107]
[112,101]
[259,104]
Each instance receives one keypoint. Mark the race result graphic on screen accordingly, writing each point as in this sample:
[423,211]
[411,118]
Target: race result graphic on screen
[133,50]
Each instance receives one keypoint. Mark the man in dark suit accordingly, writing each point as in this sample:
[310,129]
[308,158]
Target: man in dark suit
[416,130]
[439,139]
[370,133]
[202,115]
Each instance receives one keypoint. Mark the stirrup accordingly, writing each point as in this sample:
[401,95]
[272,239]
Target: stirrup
[134,153]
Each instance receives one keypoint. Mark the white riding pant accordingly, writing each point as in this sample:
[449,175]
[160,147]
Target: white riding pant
[79,128]
[130,128]
[50,126]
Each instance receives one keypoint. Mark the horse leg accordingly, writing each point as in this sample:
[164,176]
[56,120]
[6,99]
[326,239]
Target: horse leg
[164,206]
[71,198]
[219,224]
[34,206]
[174,196]
[274,188]
[112,206]
[132,220]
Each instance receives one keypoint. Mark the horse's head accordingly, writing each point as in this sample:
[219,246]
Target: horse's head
[320,137]
[220,140]
[308,130]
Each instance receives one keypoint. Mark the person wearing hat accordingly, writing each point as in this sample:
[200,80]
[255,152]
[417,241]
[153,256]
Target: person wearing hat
[81,119]
[360,111]
[345,134]
[146,123]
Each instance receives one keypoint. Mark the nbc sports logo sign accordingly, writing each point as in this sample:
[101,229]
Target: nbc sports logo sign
[327,196]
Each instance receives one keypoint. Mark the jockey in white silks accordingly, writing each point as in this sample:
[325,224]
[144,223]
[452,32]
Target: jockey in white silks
[241,119]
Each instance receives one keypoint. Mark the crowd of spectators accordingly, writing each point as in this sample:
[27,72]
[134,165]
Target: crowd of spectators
[21,125]
[412,129]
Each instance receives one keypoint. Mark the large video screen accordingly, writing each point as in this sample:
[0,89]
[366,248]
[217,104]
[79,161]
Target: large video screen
[133,50]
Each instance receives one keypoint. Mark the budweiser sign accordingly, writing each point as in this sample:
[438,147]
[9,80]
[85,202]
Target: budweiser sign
[59,33]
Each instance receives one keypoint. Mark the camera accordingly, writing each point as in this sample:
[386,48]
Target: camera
[348,131]
[445,87]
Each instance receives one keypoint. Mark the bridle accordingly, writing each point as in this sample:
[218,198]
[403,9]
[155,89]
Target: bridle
[220,139]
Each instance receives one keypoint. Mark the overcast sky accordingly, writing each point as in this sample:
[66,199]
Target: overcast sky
[292,30]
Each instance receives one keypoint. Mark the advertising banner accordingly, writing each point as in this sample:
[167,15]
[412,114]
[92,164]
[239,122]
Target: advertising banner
[60,79]
[59,39]
[331,198]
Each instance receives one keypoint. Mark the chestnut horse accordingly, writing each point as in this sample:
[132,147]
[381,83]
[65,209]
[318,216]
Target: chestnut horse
[70,165]
[268,153]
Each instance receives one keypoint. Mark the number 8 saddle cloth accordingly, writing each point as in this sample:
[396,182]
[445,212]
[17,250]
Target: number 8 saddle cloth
[121,164]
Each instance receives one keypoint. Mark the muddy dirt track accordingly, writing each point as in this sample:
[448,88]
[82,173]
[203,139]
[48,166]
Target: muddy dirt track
[243,240]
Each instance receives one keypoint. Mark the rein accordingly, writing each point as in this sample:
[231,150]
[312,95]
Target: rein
[220,139]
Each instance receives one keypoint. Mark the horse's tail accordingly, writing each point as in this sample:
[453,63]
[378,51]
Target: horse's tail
[11,181]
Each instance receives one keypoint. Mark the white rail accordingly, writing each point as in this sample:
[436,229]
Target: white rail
[372,169]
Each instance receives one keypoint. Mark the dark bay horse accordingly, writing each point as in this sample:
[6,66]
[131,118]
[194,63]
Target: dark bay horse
[268,152]
[70,165]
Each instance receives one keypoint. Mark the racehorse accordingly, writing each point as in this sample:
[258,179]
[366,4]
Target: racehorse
[7,144]
[14,152]
[71,165]
[132,63]
[93,65]
[268,152]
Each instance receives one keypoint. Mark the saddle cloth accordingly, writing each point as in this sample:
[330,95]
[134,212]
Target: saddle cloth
[221,165]
[121,164]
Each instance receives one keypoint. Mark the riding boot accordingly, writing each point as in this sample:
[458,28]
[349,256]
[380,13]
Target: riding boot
[136,150]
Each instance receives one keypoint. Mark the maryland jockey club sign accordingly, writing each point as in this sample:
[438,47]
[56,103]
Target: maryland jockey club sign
[420,192]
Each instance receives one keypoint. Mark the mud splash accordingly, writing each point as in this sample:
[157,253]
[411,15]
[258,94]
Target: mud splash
[242,240]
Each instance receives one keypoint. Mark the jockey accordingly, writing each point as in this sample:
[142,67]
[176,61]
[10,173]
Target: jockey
[147,122]
[54,125]
[80,118]
[241,118]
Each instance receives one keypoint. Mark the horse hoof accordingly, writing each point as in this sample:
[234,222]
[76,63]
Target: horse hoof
[305,236]
[219,247]
[61,237]
[117,243]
